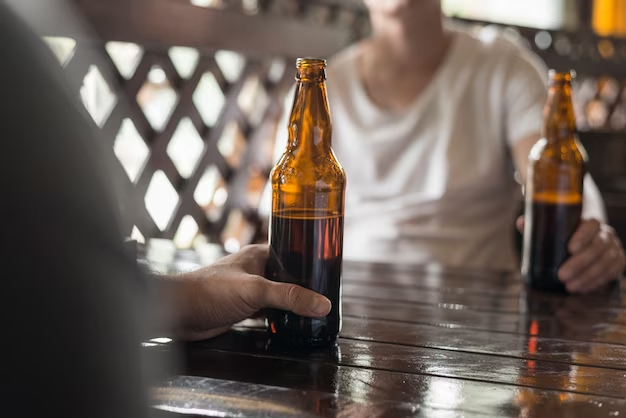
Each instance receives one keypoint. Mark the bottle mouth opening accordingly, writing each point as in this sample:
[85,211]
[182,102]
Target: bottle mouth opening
[311,69]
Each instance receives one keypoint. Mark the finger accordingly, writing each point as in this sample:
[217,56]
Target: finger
[520,224]
[621,257]
[577,263]
[290,297]
[583,236]
[596,275]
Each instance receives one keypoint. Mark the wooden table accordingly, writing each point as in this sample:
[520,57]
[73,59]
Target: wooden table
[423,342]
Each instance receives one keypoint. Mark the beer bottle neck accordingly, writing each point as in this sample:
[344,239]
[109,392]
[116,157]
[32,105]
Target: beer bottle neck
[560,121]
[310,126]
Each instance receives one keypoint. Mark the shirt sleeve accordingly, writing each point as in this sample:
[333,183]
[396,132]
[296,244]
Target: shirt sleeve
[525,94]
[593,203]
[70,297]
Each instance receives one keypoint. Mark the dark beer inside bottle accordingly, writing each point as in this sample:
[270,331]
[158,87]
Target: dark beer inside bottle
[553,222]
[306,249]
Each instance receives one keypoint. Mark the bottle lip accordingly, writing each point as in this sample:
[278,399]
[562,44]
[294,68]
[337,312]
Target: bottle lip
[310,62]
[311,69]
[561,77]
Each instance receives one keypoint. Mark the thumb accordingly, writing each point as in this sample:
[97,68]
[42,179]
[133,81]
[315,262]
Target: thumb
[301,301]
[520,224]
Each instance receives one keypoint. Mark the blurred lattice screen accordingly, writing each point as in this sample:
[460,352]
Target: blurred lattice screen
[188,93]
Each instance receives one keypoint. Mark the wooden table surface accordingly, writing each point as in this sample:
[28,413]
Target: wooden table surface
[425,342]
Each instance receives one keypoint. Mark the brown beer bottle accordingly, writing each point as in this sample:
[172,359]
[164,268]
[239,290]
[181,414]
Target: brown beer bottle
[306,224]
[554,190]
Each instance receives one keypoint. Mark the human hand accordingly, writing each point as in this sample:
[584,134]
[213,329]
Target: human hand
[211,299]
[597,257]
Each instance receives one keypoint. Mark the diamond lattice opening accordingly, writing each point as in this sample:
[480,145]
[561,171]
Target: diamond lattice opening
[187,232]
[126,56]
[97,96]
[250,7]
[137,235]
[232,144]
[231,63]
[63,48]
[277,70]
[208,3]
[157,98]
[253,100]
[131,149]
[209,99]
[185,60]
[237,233]
[211,193]
[256,186]
[618,119]
[185,148]
[161,200]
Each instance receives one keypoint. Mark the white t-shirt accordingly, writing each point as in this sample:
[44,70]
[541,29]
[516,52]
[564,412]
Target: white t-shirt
[435,183]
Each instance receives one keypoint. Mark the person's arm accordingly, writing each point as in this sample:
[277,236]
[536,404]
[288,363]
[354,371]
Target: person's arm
[69,295]
[597,253]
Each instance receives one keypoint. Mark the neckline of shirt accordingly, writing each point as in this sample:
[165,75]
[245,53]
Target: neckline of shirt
[371,111]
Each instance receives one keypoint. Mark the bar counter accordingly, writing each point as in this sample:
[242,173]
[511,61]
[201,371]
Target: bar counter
[421,341]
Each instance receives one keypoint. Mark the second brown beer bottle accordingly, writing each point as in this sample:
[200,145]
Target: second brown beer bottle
[306,224]
[554,190]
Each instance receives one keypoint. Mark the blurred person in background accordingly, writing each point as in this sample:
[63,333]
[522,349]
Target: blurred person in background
[73,302]
[430,123]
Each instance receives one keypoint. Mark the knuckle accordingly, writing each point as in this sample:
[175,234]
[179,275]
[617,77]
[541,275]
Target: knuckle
[252,259]
[590,227]
[588,257]
[255,249]
[574,263]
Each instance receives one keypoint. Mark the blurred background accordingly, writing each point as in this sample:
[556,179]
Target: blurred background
[188,92]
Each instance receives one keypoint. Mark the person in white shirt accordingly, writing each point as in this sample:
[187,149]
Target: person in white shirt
[430,124]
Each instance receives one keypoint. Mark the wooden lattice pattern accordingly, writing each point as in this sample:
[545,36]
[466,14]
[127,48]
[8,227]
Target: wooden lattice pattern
[193,126]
